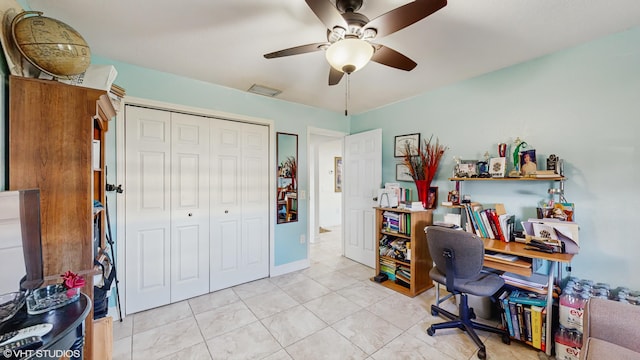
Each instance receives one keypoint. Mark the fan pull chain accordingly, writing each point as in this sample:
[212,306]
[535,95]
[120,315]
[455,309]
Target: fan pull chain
[346,96]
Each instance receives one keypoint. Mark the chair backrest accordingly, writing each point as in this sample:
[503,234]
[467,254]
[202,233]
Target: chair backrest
[467,251]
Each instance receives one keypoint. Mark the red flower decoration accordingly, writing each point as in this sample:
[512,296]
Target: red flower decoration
[72,280]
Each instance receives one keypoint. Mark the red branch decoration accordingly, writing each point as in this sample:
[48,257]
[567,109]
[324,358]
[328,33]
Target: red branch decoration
[424,165]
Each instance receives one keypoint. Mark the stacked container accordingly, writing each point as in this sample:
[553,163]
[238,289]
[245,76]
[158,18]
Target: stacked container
[576,293]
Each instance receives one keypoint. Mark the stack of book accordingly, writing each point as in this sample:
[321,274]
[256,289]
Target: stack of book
[394,222]
[393,247]
[524,315]
[488,223]
[388,267]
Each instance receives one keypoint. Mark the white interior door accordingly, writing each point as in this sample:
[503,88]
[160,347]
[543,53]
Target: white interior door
[189,206]
[362,179]
[148,208]
[239,203]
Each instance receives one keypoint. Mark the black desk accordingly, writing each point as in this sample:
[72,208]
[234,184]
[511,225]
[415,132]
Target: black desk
[67,332]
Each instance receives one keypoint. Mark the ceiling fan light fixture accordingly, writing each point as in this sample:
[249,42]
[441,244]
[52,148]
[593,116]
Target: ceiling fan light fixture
[349,55]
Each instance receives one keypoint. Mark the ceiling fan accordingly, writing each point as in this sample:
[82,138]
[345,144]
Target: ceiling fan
[349,43]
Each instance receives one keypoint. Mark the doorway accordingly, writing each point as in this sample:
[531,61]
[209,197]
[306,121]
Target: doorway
[325,148]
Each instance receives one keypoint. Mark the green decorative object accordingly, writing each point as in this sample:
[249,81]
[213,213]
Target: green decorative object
[50,45]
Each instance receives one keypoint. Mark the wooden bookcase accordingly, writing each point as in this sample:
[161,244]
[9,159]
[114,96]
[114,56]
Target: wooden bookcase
[52,128]
[420,259]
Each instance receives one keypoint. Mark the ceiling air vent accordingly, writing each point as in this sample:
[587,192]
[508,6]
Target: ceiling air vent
[263,90]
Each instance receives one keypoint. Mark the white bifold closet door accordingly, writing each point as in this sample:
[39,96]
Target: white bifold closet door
[197,205]
[167,207]
[239,203]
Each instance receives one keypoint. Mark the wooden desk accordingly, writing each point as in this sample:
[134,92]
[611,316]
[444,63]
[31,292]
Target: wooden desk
[518,249]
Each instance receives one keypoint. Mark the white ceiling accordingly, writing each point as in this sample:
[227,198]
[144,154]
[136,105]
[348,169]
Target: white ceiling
[222,42]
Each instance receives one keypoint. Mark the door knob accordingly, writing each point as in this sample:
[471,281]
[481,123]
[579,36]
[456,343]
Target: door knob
[190,214]
[226,211]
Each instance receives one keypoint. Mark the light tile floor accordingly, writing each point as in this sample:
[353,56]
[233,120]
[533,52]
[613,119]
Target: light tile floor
[328,311]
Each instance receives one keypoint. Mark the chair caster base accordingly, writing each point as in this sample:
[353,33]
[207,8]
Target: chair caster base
[482,354]
[430,331]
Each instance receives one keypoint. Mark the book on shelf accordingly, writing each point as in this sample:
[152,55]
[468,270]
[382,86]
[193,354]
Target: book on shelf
[528,298]
[536,326]
[527,322]
[514,319]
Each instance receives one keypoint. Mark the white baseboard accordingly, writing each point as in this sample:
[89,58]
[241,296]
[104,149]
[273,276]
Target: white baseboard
[290,267]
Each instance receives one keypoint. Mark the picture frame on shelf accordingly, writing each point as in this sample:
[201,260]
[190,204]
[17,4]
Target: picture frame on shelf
[401,142]
[467,168]
[337,173]
[432,197]
[402,173]
[528,162]
[497,167]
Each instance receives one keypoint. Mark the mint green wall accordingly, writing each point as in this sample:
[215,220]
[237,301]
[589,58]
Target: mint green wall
[288,117]
[582,104]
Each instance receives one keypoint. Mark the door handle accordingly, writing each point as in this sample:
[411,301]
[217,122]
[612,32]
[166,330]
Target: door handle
[190,214]
[226,211]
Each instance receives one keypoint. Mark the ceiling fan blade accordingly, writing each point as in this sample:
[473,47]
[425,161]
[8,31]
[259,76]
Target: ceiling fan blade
[334,76]
[327,13]
[405,15]
[296,50]
[390,57]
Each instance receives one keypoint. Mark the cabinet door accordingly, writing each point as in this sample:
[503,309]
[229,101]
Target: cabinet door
[239,203]
[189,206]
[148,208]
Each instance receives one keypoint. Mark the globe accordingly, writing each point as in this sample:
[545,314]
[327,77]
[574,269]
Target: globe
[50,45]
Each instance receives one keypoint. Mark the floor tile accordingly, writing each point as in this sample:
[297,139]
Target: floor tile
[293,324]
[332,307]
[411,312]
[335,280]
[124,328]
[254,288]
[153,318]
[122,348]
[270,303]
[224,319]
[307,290]
[288,279]
[195,352]
[252,341]
[325,344]
[367,330]
[409,348]
[165,340]
[280,355]
[364,294]
[213,300]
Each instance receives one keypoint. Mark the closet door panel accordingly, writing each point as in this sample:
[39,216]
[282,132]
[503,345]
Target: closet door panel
[189,206]
[148,213]
[255,201]
[226,207]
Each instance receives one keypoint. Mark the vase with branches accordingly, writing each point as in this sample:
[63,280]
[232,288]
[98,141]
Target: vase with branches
[423,166]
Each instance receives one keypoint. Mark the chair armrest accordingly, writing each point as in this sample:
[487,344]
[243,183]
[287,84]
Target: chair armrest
[614,322]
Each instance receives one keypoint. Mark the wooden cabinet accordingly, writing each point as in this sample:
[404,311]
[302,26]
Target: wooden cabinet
[412,266]
[52,128]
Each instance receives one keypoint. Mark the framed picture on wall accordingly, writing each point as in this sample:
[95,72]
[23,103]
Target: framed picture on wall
[402,173]
[401,142]
[337,171]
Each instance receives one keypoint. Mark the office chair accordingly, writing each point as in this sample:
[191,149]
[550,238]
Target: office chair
[458,258]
